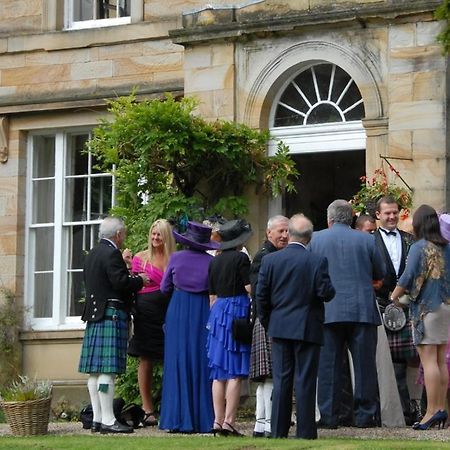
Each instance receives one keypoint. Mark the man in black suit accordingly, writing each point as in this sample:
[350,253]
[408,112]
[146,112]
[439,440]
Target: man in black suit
[394,245]
[292,286]
[109,292]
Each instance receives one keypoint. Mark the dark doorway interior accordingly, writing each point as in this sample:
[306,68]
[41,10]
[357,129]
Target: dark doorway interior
[324,177]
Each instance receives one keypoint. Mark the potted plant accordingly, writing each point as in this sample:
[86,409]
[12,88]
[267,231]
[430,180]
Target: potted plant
[26,404]
[377,186]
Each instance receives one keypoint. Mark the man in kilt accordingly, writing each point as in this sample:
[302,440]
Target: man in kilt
[394,245]
[260,356]
[109,292]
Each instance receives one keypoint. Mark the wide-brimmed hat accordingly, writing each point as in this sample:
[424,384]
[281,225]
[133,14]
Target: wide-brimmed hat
[234,233]
[197,236]
[444,223]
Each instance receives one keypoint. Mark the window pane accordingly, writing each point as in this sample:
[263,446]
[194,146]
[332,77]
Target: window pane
[43,156]
[324,113]
[76,199]
[43,201]
[43,249]
[101,197]
[43,294]
[80,239]
[110,9]
[83,9]
[76,158]
[76,293]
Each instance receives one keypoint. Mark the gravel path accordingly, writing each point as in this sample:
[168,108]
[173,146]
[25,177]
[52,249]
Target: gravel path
[73,428]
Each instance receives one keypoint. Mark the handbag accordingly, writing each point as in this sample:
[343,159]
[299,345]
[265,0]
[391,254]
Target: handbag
[242,330]
[394,318]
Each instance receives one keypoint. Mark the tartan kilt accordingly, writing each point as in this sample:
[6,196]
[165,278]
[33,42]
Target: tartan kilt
[260,354]
[401,343]
[105,342]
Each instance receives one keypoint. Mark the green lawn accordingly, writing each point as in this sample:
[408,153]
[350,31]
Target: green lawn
[202,442]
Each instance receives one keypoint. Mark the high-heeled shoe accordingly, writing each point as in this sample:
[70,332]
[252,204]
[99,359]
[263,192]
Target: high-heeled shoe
[149,419]
[216,429]
[438,418]
[230,430]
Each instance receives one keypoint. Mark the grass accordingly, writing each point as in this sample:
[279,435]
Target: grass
[68,442]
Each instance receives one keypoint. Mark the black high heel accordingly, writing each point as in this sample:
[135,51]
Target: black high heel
[216,430]
[438,418]
[149,419]
[230,431]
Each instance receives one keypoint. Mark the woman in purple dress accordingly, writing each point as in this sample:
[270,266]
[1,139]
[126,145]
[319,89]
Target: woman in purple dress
[186,405]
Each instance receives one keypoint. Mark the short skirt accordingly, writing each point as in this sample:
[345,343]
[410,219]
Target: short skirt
[104,348]
[436,324]
[227,358]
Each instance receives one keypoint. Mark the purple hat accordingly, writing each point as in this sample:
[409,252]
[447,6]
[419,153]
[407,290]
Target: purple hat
[444,223]
[197,236]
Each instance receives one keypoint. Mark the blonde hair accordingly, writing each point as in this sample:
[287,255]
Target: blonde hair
[165,230]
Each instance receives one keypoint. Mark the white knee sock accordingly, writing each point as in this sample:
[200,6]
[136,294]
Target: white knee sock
[260,416]
[268,388]
[105,386]
[415,390]
[95,401]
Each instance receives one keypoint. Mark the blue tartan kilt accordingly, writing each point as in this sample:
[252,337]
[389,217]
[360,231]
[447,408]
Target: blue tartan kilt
[105,342]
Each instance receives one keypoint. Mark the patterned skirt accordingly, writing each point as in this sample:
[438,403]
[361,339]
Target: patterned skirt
[401,343]
[104,348]
[227,358]
[261,354]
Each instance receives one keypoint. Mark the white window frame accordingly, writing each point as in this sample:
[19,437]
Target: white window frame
[136,15]
[59,319]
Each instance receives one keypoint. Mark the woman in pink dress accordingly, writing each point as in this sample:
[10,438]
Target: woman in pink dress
[147,342]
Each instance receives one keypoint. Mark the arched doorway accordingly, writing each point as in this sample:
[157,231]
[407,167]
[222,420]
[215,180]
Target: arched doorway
[317,113]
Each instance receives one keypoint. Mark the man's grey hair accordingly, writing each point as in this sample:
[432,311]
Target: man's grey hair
[110,226]
[275,219]
[300,228]
[340,211]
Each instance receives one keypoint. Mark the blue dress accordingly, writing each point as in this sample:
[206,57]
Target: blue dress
[186,403]
[228,276]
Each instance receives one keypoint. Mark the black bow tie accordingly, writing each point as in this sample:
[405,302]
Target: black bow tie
[388,233]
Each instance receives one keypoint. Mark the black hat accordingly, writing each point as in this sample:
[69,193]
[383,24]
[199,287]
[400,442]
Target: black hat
[234,233]
[197,236]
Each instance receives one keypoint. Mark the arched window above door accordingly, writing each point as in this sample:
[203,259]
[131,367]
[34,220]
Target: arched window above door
[323,93]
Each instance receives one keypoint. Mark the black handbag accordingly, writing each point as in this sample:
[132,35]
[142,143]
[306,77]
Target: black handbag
[242,330]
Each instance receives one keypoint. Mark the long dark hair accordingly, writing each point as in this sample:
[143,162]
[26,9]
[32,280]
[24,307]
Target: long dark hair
[426,225]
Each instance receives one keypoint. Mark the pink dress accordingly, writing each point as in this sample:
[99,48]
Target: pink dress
[149,314]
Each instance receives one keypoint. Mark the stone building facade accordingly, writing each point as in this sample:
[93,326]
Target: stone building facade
[348,85]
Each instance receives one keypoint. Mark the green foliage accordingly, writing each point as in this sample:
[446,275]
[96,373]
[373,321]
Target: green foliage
[167,161]
[372,189]
[65,411]
[10,321]
[127,384]
[443,13]
[25,388]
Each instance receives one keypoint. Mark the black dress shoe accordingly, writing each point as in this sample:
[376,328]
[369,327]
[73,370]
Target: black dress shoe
[116,427]
[258,434]
[326,426]
[95,427]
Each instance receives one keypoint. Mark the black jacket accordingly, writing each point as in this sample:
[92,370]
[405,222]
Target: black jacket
[106,277]
[390,279]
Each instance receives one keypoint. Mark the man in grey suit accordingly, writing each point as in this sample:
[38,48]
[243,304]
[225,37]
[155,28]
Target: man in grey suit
[351,318]
[292,286]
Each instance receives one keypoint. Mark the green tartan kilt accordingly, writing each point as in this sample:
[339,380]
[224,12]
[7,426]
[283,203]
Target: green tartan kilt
[105,342]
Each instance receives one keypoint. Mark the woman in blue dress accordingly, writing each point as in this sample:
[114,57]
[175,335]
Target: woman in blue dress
[186,403]
[427,279]
[228,359]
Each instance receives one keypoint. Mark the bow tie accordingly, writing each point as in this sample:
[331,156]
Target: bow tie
[388,233]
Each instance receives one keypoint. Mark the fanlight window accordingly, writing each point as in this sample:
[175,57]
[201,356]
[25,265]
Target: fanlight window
[324,93]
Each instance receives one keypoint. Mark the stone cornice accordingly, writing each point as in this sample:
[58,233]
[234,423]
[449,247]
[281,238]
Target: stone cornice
[237,23]
[67,100]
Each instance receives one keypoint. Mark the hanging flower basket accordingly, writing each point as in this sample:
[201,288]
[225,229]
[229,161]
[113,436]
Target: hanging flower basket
[372,189]
[29,417]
